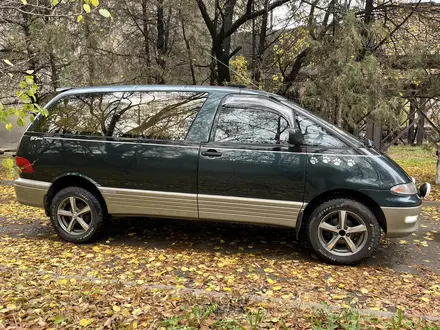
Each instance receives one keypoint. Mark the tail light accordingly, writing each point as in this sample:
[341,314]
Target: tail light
[24,165]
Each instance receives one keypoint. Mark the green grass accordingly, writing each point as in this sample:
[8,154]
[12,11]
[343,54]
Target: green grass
[419,162]
[414,156]
[213,317]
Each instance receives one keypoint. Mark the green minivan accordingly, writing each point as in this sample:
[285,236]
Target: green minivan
[213,154]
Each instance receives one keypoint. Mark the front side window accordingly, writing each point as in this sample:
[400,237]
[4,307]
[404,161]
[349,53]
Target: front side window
[149,115]
[314,135]
[252,126]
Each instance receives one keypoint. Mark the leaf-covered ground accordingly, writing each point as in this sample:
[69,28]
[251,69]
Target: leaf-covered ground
[418,162]
[145,272]
[3,174]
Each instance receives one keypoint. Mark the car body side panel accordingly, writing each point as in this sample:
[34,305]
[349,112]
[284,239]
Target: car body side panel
[259,185]
[127,171]
[371,174]
[119,164]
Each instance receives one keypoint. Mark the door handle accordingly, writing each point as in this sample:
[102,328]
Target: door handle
[211,153]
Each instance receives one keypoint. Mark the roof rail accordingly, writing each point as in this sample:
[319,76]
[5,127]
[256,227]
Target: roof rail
[63,89]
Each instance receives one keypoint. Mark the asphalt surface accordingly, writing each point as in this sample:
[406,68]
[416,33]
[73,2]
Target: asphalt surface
[9,139]
[418,251]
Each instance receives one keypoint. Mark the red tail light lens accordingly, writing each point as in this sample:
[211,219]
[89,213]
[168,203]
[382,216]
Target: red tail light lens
[24,165]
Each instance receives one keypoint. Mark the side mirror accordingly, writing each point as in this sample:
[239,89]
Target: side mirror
[424,190]
[295,136]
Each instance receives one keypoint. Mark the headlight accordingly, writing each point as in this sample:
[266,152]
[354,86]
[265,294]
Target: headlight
[404,189]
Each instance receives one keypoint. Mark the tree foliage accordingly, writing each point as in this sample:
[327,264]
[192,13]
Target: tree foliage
[343,60]
[30,31]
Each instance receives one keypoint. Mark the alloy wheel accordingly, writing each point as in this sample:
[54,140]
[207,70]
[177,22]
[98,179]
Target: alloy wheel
[74,215]
[342,233]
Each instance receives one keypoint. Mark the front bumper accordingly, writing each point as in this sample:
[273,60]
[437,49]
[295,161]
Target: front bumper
[31,192]
[401,221]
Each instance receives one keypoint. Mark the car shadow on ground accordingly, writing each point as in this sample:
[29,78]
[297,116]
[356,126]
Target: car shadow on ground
[206,235]
[270,242]
[231,238]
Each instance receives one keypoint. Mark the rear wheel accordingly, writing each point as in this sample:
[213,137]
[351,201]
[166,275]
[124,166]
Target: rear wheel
[343,231]
[76,214]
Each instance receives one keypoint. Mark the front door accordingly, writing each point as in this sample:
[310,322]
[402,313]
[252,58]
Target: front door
[247,171]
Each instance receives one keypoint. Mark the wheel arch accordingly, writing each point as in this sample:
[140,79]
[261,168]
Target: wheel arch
[342,193]
[73,180]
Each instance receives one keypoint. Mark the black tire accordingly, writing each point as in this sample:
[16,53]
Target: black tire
[94,218]
[328,241]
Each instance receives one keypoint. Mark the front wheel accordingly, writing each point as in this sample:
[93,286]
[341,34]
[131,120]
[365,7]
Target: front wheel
[343,231]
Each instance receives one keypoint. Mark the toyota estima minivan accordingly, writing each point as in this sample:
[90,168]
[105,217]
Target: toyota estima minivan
[214,154]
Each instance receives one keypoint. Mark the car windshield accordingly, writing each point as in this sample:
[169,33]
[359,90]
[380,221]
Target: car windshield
[354,140]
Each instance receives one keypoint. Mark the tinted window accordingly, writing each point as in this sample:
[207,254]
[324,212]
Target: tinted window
[151,115]
[257,126]
[315,135]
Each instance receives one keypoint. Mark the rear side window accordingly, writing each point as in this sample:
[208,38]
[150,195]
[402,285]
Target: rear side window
[314,135]
[251,125]
[149,115]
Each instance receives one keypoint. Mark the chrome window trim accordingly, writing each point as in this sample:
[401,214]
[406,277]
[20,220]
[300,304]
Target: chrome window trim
[125,142]
[219,147]
[197,146]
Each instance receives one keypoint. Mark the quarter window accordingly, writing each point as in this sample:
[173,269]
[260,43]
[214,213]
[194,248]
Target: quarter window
[254,126]
[149,115]
[315,135]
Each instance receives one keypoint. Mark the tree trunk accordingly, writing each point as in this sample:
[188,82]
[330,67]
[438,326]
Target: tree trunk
[188,50]
[368,11]
[222,58]
[293,74]
[223,45]
[89,53]
[412,107]
[223,73]
[161,43]
[420,127]
[254,43]
[338,114]
[30,52]
[53,71]
[221,38]
[212,68]
[261,45]
[145,32]
[54,75]
[437,174]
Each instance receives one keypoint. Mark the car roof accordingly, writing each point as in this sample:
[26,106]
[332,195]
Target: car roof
[158,88]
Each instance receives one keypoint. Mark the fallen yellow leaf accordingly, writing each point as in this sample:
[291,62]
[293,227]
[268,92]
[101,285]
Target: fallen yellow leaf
[85,322]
